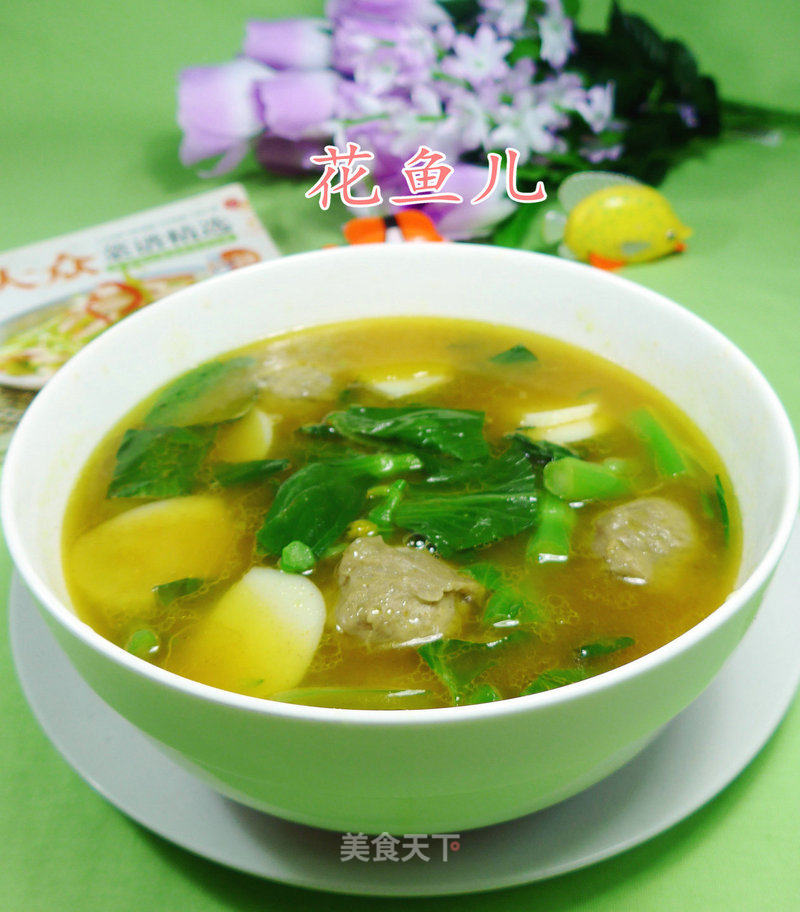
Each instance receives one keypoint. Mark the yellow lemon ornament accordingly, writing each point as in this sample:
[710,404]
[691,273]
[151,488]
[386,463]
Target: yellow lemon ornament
[611,220]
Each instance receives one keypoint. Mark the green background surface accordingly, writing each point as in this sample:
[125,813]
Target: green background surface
[87,134]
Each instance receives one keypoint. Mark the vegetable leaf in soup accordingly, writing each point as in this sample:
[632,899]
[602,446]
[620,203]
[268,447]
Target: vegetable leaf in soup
[484,693]
[160,462]
[556,677]
[214,392]
[511,465]
[541,451]
[228,474]
[313,506]
[723,508]
[457,522]
[506,604]
[604,647]
[517,354]
[167,593]
[455,432]
[458,662]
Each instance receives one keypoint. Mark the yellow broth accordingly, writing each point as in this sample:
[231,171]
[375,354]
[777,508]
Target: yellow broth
[580,600]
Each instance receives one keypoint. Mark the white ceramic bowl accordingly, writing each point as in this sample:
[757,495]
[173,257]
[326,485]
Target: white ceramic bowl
[438,770]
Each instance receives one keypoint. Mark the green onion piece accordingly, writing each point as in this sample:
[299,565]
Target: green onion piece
[668,460]
[573,480]
[517,354]
[143,643]
[551,540]
[167,593]
[556,677]
[382,514]
[604,647]
[723,508]
[296,557]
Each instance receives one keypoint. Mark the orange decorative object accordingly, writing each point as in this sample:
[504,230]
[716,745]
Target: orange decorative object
[411,225]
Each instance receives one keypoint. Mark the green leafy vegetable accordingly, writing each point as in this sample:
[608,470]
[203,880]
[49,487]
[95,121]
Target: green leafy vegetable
[668,460]
[483,693]
[575,480]
[556,677]
[517,354]
[723,508]
[313,506]
[143,643]
[376,465]
[603,647]
[383,514]
[167,593]
[457,432]
[457,522]
[214,392]
[552,537]
[297,557]
[540,451]
[511,465]
[228,474]
[458,662]
[506,603]
[160,462]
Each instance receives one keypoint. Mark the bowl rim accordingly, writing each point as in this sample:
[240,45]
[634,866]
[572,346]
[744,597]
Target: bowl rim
[301,713]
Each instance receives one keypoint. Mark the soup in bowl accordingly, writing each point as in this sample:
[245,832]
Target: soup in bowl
[330,537]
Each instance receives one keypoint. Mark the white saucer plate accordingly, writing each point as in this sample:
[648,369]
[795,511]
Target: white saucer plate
[693,759]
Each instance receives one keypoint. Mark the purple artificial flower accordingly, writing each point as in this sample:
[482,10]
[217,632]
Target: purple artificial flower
[555,33]
[304,44]
[219,112]
[463,221]
[506,16]
[286,156]
[529,124]
[479,58]
[595,105]
[297,104]
[405,62]
[425,12]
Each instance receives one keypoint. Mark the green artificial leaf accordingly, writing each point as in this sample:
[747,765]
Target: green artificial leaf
[517,354]
[458,522]
[603,647]
[556,677]
[228,474]
[513,231]
[160,462]
[167,593]
[214,392]
[456,432]
[313,506]
[458,662]
[506,602]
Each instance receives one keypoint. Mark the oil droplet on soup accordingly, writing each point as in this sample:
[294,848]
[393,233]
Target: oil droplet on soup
[400,513]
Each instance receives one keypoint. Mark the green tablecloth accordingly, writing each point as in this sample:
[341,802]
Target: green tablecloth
[88,134]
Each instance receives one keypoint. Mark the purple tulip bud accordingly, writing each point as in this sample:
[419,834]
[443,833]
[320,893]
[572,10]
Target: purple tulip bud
[417,12]
[304,44]
[287,156]
[218,110]
[298,104]
[463,221]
